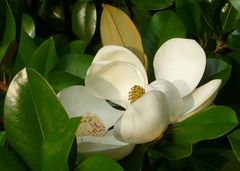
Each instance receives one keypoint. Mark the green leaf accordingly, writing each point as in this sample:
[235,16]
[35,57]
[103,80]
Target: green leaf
[9,162]
[173,151]
[32,112]
[9,30]
[212,123]
[84,20]
[235,4]
[44,58]
[28,25]
[159,28]
[60,80]
[3,138]
[217,69]
[190,13]
[234,139]
[153,4]
[57,158]
[75,64]
[77,46]
[229,18]
[99,162]
[134,161]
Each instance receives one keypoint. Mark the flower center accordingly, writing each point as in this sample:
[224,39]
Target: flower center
[135,93]
[90,124]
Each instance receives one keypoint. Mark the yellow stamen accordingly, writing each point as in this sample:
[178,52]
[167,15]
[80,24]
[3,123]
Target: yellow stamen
[90,124]
[135,92]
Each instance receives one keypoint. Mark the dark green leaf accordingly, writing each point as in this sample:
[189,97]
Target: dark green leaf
[44,58]
[60,80]
[153,4]
[3,137]
[28,25]
[134,161]
[235,4]
[190,13]
[76,64]
[234,139]
[8,162]
[159,28]
[31,113]
[77,46]
[84,18]
[217,69]
[98,162]
[212,123]
[173,151]
[229,18]
[9,31]
[57,158]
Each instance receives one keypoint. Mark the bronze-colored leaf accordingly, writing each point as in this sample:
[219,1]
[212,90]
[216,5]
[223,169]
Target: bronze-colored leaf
[118,29]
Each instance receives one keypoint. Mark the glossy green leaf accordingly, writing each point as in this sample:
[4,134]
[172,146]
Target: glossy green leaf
[98,162]
[235,4]
[60,80]
[9,162]
[217,69]
[234,139]
[9,30]
[44,58]
[134,161]
[57,158]
[153,4]
[173,151]
[31,113]
[76,46]
[229,18]
[28,25]
[84,20]
[3,137]
[159,28]
[211,123]
[190,12]
[76,64]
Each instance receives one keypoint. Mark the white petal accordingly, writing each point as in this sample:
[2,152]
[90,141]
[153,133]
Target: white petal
[114,53]
[144,120]
[200,98]
[77,100]
[114,81]
[107,145]
[182,62]
[173,97]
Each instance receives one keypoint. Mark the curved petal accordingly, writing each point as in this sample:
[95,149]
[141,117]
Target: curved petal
[113,53]
[200,98]
[77,101]
[182,62]
[113,81]
[173,97]
[144,120]
[107,145]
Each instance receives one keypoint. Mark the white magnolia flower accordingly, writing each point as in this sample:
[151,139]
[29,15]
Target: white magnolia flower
[116,74]
[93,134]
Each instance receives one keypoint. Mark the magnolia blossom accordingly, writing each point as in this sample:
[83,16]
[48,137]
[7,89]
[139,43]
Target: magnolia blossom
[117,75]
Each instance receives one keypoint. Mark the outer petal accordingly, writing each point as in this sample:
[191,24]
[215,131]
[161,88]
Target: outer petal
[201,97]
[114,80]
[77,101]
[182,62]
[117,54]
[173,97]
[144,120]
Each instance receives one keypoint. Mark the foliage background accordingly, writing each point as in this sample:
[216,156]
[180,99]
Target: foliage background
[57,39]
